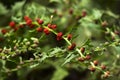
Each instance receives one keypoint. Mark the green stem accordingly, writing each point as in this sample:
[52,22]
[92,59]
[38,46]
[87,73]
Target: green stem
[79,52]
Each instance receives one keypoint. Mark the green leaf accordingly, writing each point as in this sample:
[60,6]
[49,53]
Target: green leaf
[16,19]
[59,74]
[3,10]
[55,51]
[97,14]
[18,5]
[69,58]
[44,56]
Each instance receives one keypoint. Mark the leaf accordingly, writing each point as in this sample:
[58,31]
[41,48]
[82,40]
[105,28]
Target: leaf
[55,50]
[18,5]
[97,14]
[16,19]
[44,56]
[59,74]
[69,58]
[87,42]
[3,10]
[112,14]
[34,65]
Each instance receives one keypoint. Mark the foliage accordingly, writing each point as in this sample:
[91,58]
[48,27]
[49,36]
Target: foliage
[58,40]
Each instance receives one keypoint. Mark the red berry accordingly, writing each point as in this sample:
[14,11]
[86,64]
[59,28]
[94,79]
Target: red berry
[103,67]
[4,31]
[71,47]
[29,22]
[59,36]
[95,62]
[92,69]
[116,32]
[49,25]
[104,24]
[46,31]
[32,26]
[53,26]
[81,59]
[40,21]
[39,29]
[84,13]
[26,18]
[69,36]
[12,24]
[71,11]
[82,49]
[87,57]
[107,74]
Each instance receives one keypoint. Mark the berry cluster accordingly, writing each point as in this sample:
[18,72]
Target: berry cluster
[94,64]
[39,26]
